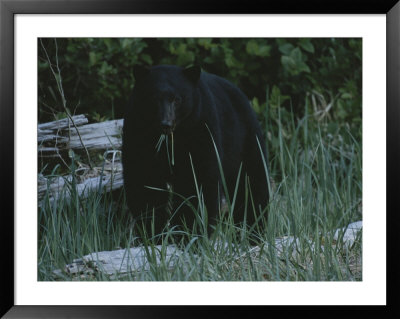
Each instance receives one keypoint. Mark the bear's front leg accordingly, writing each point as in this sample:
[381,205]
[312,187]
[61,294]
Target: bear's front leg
[197,182]
[147,199]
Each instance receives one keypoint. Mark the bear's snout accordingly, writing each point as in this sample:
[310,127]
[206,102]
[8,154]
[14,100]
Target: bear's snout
[167,126]
[167,117]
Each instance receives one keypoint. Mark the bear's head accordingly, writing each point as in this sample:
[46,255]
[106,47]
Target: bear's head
[166,94]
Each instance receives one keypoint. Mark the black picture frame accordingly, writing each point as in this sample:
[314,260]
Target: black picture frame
[8,10]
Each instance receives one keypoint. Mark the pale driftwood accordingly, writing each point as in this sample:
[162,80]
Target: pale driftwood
[292,246]
[61,135]
[348,233]
[55,137]
[51,132]
[124,261]
[109,178]
[62,124]
[120,262]
[104,135]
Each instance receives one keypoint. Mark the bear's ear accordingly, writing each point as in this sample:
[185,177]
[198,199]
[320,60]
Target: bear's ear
[140,71]
[193,73]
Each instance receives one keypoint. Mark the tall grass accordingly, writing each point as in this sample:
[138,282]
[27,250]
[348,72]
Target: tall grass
[315,188]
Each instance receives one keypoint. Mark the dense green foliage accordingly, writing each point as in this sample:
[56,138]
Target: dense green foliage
[97,72]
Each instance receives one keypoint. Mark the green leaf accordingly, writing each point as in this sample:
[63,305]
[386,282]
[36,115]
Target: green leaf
[306,45]
[302,67]
[146,58]
[264,51]
[276,98]
[296,55]
[92,58]
[346,96]
[126,43]
[205,43]
[286,48]
[252,47]
[107,42]
[288,62]
[256,106]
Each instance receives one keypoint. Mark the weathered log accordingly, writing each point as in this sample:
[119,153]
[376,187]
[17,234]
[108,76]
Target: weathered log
[109,178]
[62,124]
[124,261]
[58,136]
[120,262]
[105,135]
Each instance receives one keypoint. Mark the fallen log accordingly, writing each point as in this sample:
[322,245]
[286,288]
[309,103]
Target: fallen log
[106,178]
[48,127]
[58,136]
[118,263]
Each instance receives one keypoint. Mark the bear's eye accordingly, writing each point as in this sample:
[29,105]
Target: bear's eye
[170,98]
[177,99]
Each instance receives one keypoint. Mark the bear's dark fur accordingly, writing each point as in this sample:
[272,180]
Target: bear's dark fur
[190,106]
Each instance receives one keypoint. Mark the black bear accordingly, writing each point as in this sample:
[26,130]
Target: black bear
[176,121]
